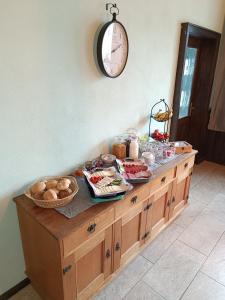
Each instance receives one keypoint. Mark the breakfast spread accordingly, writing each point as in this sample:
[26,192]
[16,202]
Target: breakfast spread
[109,176]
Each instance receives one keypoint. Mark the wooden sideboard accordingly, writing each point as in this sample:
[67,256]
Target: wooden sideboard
[74,258]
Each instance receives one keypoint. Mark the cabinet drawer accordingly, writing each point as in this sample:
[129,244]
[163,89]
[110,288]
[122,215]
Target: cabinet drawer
[161,181]
[131,200]
[183,169]
[87,231]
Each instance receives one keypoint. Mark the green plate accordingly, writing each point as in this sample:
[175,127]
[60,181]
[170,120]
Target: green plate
[101,200]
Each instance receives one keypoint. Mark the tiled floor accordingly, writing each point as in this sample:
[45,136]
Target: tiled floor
[187,260]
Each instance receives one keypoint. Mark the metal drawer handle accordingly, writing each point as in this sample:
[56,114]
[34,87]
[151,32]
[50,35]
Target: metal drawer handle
[117,246]
[91,228]
[108,253]
[163,179]
[134,199]
[186,165]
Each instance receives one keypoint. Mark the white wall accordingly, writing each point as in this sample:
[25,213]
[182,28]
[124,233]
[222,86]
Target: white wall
[56,109]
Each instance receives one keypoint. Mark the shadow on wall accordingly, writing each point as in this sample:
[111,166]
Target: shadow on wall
[91,43]
[10,244]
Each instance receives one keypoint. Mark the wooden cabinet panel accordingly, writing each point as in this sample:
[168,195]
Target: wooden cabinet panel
[180,195]
[93,262]
[117,244]
[160,209]
[130,233]
[87,231]
[133,227]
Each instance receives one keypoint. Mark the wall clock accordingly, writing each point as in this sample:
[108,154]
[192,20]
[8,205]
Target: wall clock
[112,46]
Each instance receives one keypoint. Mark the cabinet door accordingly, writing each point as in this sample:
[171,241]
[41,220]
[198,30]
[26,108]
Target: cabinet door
[129,234]
[180,194]
[158,215]
[93,263]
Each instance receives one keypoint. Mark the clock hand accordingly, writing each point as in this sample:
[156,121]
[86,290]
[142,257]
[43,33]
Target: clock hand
[114,50]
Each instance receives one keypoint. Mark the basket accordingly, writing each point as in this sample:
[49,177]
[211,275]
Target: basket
[58,202]
[163,116]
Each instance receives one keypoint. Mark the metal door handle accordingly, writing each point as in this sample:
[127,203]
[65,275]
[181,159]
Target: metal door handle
[117,246]
[108,253]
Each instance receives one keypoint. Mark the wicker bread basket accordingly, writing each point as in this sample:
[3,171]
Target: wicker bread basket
[55,203]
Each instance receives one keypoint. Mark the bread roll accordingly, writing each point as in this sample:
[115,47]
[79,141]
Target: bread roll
[66,180]
[65,193]
[50,195]
[63,185]
[55,190]
[51,184]
[38,187]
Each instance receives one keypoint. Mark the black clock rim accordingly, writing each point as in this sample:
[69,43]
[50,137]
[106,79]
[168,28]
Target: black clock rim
[99,49]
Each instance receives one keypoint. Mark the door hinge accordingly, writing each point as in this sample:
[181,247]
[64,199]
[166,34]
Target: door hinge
[67,269]
[146,235]
[148,207]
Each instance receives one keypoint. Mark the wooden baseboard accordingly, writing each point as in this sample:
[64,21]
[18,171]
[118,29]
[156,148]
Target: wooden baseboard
[15,289]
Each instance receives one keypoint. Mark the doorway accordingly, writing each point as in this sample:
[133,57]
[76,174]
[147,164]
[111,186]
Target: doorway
[195,73]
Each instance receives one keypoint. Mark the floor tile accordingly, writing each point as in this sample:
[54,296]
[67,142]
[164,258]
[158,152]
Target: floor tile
[216,209]
[162,243]
[203,233]
[190,213]
[27,293]
[201,171]
[174,271]
[203,193]
[126,280]
[142,291]
[215,264]
[204,288]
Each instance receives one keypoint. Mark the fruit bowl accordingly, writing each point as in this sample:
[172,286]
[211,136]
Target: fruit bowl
[158,136]
[56,202]
[163,116]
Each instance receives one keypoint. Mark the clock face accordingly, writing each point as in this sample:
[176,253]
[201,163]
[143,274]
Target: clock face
[113,49]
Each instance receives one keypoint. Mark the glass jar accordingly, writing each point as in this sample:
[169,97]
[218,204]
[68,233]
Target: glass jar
[119,147]
[130,134]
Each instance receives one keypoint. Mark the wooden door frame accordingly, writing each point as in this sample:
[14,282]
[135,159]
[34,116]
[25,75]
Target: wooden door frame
[187,30]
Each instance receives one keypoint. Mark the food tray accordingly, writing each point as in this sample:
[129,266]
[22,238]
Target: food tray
[182,147]
[110,190]
[57,202]
[135,163]
[105,198]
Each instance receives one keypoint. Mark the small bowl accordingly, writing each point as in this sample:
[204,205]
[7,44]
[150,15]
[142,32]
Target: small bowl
[108,159]
[149,158]
[57,202]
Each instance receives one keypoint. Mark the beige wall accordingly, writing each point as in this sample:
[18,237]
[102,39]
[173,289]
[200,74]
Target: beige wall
[56,108]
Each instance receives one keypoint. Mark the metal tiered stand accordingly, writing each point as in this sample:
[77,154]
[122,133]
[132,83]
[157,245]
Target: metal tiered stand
[160,115]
